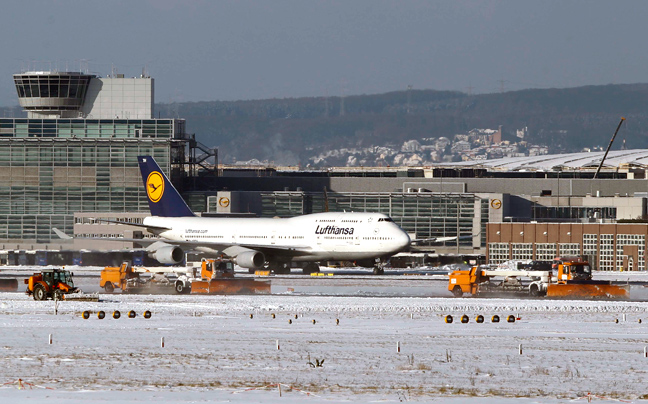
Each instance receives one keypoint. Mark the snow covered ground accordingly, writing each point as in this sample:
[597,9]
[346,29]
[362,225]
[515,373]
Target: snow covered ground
[214,350]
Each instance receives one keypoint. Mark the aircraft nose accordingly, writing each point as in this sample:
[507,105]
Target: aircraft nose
[404,241]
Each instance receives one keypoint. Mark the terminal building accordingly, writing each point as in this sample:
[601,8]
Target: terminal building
[73,160]
[77,152]
[491,210]
[497,214]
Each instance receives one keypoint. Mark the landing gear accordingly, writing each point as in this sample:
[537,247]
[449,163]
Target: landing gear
[310,268]
[379,267]
[279,267]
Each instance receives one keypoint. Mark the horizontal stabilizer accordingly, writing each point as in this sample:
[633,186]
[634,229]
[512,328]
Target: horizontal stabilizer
[161,228]
[60,234]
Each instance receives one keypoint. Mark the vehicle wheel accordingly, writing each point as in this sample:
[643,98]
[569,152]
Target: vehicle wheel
[40,293]
[57,295]
[378,271]
[180,288]
[534,291]
[457,292]
[109,287]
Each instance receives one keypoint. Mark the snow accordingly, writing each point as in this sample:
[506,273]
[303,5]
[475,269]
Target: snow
[214,351]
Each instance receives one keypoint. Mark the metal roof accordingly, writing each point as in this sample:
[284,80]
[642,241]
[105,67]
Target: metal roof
[548,162]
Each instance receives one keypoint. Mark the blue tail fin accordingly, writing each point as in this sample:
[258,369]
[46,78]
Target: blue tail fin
[164,200]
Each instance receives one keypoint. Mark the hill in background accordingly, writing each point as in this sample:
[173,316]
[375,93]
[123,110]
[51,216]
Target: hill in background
[328,130]
[292,131]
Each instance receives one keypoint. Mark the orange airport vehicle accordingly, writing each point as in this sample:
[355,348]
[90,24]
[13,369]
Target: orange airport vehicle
[128,279]
[574,280]
[50,284]
[217,277]
[569,278]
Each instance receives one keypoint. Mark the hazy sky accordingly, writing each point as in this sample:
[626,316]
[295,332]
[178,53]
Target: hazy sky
[231,50]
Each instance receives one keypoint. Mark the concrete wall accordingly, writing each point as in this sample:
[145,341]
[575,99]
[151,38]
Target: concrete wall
[513,186]
[119,98]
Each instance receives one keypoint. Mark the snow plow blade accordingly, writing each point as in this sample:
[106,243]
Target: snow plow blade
[588,291]
[231,287]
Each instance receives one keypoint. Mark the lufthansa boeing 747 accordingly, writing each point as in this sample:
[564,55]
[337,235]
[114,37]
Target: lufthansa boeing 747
[255,243]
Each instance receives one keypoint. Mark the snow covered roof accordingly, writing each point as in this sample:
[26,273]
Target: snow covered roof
[575,161]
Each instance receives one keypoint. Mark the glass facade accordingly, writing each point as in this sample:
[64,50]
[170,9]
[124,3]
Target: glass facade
[545,251]
[568,249]
[498,253]
[426,214]
[590,249]
[606,252]
[51,91]
[50,169]
[91,128]
[542,213]
[630,239]
[521,251]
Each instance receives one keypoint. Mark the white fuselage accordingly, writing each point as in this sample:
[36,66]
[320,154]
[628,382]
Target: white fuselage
[317,237]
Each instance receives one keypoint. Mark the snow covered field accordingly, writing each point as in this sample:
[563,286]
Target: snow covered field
[214,351]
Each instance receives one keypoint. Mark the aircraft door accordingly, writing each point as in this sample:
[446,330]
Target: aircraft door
[273,237]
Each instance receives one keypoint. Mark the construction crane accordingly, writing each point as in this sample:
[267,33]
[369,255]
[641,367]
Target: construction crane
[608,148]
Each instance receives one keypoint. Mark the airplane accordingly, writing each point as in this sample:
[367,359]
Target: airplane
[254,243]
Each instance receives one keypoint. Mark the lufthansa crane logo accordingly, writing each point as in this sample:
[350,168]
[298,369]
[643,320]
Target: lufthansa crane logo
[155,186]
[496,203]
[223,201]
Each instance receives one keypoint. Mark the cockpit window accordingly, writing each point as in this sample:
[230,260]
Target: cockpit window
[385,219]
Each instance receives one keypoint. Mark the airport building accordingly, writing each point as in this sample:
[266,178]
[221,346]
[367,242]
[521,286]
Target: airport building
[606,246]
[462,201]
[73,160]
[77,152]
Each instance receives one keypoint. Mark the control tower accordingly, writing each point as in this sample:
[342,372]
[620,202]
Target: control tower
[77,152]
[55,95]
[52,94]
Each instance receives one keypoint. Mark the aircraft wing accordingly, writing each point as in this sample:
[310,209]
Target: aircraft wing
[441,239]
[148,243]
[294,250]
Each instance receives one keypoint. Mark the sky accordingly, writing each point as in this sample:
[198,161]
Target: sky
[239,50]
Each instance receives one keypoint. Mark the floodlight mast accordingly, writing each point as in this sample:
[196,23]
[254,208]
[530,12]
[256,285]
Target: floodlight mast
[608,148]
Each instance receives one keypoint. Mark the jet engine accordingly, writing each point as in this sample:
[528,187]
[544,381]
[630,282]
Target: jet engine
[168,254]
[250,259]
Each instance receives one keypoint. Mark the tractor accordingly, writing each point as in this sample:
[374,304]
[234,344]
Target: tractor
[50,284]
